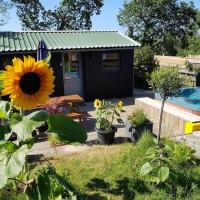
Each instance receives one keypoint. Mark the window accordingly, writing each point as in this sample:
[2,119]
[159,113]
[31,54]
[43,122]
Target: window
[110,62]
[71,65]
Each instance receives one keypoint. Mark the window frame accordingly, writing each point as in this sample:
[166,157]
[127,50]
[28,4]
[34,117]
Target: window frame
[70,67]
[118,69]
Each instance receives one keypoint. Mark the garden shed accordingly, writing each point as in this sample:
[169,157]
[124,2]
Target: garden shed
[93,64]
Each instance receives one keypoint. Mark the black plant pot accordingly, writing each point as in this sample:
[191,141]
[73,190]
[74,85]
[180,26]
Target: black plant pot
[134,132]
[106,138]
[43,127]
[13,137]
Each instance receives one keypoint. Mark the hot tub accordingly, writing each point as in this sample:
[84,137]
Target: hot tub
[188,99]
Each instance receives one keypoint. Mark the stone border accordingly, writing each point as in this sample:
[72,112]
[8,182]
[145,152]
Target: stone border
[173,118]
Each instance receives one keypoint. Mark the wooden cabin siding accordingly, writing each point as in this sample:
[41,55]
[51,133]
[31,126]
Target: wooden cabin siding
[56,59]
[98,84]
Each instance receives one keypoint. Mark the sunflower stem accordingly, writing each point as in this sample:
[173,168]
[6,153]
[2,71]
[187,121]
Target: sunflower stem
[21,111]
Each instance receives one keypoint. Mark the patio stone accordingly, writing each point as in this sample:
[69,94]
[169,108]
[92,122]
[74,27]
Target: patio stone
[44,148]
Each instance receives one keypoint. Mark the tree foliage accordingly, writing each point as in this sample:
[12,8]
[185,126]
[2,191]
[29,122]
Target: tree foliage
[69,14]
[162,24]
[4,6]
[144,64]
[194,45]
[166,82]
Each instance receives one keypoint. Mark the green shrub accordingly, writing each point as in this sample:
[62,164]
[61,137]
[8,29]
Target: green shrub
[156,169]
[138,117]
[167,163]
[145,142]
[70,132]
[180,153]
[144,65]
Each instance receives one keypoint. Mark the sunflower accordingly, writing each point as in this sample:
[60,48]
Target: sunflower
[119,104]
[97,103]
[29,83]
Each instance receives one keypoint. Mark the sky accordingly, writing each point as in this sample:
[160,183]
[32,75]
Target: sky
[107,20]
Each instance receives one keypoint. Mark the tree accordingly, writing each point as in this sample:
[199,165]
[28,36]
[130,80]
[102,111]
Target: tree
[156,22]
[194,45]
[166,81]
[69,14]
[144,65]
[31,14]
[4,6]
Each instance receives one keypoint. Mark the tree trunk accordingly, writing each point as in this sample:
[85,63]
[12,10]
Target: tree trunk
[160,119]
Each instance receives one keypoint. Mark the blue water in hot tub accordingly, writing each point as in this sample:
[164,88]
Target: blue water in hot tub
[187,97]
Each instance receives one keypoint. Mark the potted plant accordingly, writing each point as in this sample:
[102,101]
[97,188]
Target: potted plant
[106,113]
[136,124]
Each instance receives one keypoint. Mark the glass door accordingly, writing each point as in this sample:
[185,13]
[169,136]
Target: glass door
[72,73]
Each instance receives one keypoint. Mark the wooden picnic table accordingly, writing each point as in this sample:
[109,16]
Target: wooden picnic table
[65,99]
[71,101]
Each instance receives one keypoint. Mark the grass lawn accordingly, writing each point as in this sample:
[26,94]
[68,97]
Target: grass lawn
[112,172]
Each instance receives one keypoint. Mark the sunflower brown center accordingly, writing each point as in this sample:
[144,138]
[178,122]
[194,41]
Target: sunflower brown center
[30,83]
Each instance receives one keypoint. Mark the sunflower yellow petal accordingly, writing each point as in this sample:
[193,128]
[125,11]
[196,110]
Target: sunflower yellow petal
[22,95]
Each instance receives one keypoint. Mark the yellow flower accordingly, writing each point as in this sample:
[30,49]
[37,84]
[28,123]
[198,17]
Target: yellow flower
[120,104]
[29,83]
[97,103]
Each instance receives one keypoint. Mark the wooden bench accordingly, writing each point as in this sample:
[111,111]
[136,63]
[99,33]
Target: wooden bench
[78,115]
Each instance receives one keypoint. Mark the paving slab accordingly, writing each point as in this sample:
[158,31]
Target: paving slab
[44,148]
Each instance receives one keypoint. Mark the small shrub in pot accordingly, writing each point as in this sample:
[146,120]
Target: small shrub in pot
[136,124]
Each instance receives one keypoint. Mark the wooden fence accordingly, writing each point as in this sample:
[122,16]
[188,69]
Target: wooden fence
[189,77]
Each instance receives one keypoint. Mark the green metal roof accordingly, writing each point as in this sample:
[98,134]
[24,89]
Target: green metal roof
[60,40]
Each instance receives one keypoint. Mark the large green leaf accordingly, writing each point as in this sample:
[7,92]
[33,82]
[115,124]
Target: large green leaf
[32,190]
[70,189]
[3,115]
[3,161]
[163,173]
[15,118]
[24,128]
[5,108]
[16,162]
[43,183]
[146,169]
[11,161]
[4,129]
[39,188]
[3,178]
[7,147]
[69,131]
[38,116]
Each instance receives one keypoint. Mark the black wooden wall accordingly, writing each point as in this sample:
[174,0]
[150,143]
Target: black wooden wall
[98,84]
[58,73]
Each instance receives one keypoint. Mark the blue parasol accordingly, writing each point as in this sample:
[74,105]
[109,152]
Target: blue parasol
[42,51]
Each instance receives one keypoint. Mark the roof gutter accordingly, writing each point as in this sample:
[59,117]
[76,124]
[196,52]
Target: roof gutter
[70,50]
